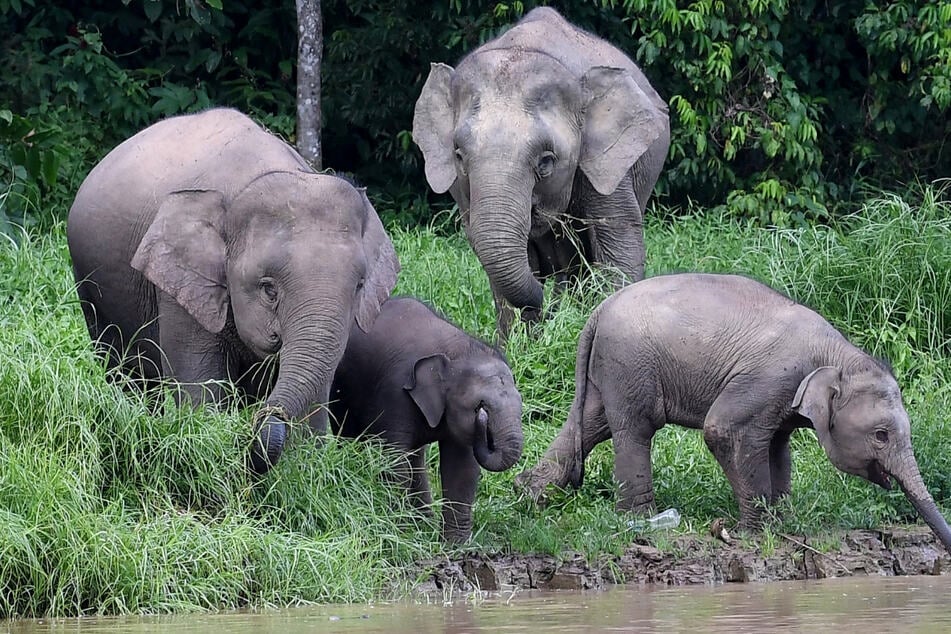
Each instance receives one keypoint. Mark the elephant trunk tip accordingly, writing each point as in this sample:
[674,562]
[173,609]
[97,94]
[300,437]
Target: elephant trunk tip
[496,453]
[268,444]
[914,489]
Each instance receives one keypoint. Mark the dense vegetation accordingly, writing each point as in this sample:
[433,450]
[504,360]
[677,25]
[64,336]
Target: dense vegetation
[781,111]
[111,502]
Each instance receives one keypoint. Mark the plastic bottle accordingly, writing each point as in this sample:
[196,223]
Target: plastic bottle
[668,519]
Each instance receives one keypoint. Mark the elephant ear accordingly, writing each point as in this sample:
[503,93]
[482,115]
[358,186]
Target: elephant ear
[814,398]
[183,253]
[433,128]
[382,267]
[427,387]
[621,121]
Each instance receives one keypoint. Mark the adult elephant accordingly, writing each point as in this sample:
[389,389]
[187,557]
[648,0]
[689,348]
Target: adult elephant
[203,245]
[545,133]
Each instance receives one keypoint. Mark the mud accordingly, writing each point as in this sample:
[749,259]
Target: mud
[695,560]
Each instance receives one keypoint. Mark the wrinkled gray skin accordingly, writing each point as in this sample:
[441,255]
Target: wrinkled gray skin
[745,364]
[542,135]
[415,379]
[210,237]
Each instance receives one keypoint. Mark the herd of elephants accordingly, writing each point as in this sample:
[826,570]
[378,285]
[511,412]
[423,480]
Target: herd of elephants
[204,245]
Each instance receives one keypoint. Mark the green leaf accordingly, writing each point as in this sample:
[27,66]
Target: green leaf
[32,162]
[49,167]
[153,9]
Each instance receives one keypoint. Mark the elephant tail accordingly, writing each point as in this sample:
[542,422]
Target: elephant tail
[576,420]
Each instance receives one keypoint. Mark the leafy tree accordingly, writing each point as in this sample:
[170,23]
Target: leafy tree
[780,111]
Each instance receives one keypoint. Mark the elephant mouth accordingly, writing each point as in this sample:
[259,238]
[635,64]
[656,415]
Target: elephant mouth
[269,349]
[878,475]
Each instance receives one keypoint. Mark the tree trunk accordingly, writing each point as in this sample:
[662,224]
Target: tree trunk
[310,44]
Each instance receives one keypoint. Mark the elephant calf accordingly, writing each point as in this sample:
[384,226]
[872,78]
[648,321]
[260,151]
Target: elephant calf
[745,364]
[415,379]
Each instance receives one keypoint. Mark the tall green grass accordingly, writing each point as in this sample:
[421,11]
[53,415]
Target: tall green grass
[114,502]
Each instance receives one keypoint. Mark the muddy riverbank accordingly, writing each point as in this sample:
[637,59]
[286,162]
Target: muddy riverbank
[695,560]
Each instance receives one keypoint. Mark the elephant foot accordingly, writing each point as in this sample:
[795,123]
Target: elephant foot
[638,503]
[268,445]
[456,537]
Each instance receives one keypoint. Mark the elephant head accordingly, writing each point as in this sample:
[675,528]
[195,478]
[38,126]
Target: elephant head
[507,131]
[293,258]
[475,402]
[860,421]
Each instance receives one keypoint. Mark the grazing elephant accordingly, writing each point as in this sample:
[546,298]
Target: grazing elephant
[546,137]
[745,364]
[203,245]
[416,379]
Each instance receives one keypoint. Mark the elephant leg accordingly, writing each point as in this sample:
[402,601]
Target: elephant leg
[191,355]
[780,466]
[410,474]
[419,491]
[616,226]
[557,257]
[736,430]
[632,429]
[560,464]
[459,473]
[540,260]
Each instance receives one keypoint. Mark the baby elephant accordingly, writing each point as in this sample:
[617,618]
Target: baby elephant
[416,379]
[745,364]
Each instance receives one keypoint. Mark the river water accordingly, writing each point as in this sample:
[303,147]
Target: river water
[857,604]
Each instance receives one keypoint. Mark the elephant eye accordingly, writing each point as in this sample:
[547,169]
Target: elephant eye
[268,290]
[881,436]
[361,283]
[546,165]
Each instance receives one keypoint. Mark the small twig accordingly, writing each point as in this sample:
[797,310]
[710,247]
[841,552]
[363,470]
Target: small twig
[821,554]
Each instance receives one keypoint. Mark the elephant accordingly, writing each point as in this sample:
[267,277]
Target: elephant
[550,141]
[748,366]
[414,379]
[203,245]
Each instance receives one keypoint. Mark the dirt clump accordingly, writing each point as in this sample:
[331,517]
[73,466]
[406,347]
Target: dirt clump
[694,560]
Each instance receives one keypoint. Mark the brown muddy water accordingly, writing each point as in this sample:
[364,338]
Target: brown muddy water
[915,604]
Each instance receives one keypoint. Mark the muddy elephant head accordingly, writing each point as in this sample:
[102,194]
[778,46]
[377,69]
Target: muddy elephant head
[861,423]
[292,258]
[477,402]
[507,133]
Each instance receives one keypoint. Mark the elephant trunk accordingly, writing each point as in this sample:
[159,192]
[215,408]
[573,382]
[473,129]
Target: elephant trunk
[909,479]
[497,445]
[499,221]
[312,347]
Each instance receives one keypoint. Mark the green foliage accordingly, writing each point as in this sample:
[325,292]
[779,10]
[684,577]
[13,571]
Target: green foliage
[29,164]
[913,39]
[778,108]
[780,111]
[742,127]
